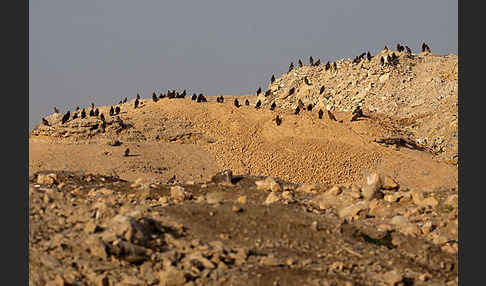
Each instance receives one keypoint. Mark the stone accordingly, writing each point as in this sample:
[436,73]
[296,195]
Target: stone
[270,260]
[308,188]
[392,277]
[374,180]
[214,197]
[369,192]
[242,199]
[127,228]
[352,210]
[271,198]
[46,179]
[452,200]
[269,184]
[106,192]
[171,276]
[237,209]
[96,247]
[334,191]
[223,177]
[315,226]
[179,194]
[388,183]
[384,78]
[420,200]
[399,220]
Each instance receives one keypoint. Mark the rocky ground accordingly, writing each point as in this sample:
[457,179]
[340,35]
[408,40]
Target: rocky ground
[315,201]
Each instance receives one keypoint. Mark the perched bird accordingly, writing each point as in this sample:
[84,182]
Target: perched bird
[103,126]
[331,116]
[83,113]
[309,107]
[272,79]
[278,120]
[194,97]
[117,110]
[386,48]
[138,96]
[297,110]
[321,113]
[127,152]
[423,47]
[154,97]
[259,90]
[183,93]
[91,113]
[311,61]
[97,112]
[272,107]
[92,105]
[427,49]
[318,62]
[65,118]
[409,51]
[291,67]
[382,61]
[357,113]
[291,91]
[112,111]
[334,65]
[102,117]
[56,110]
[368,56]
[162,95]
[306,80]
[75,116]
[237,104]
[268,92]
[258,104]
[328,66]
[201,98]
[125,100]
[322,89]
[77,108]
[301,104]
[120,102]
[136,103]
[247,102]
[45,122]
[300,64]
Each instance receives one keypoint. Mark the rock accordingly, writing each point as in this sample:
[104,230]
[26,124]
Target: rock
[308,188]
[171,276]
[384,78]
[374,180]
[420,200]
[399,220]
[242,199]
[369,192]
[106,192]
[96,247]
[272,198]
[315,226]
[207,264]
[223,177]
[270,260]
[114,143]
[90,227]
[268,184]
[352,210]
[127,228]
[388,183]
[392,277]
[334,191]
[46,179]
[179,194]
[452,201]
[163,200]
[237,209]
[214,197]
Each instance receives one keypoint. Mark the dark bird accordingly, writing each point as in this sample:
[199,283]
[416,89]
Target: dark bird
[125,100]
[278,120]
[247,102]
[268,92]
[291,67]
[56,110]
[328,66]
[91,112]
[368,56]
[300,64]
[92,105]
[318,62]
[138,96]
[386,48]
[357,113]
[272,107]
[334,65]
[426,48]
[382,60]
[309,107]
[259,90]
[258,104]
[306,80]
[97,112]
[237,104]
[409,51]
[194,97]
[103,126]
[301,104]
[83,113]
[297,110]
[321,113]
[75,116]
[272,79]
[65,118]
[120,102]
[220,99]
[291,91]
[154,97]
[201,98]
[136,103]
[45,122]
[322,89]
[311,61]
[102,117]
[117,110]
[162,95]
[399,47]
[127,152]
[77,108]
[112,111]
[183,93]
[423,47]
[331,116]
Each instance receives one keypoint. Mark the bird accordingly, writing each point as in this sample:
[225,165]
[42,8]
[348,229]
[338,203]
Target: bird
[125,100]
[334,65]
[91,112]
[56,110]
[237,104]
[321,113]
[112,111]
[201,98]
[423,47]
[317,63]
[75,116]
[330,115]
[328,66]
[306,80]
[183,94]
[45,122]
[102,117]
[127,152]
[138,96]
[103,126]
[77,108]
[291,91]
[136,103]
[97,112]
[300,64]
[268,92]
[117,110]
[272,79]
[301,104]
[309,107]
[323,87]
[291,67]
[278,120]
[357,113]
[92,105]
[311,61]
[409,51]
[368,56]
[120,102]
[83,113]
[386,48]
[258,104]
[194,97]
[297,110]
[382,60]
[65,118]
[272,107]
[162,95]
[259,90]
[154,97]
[247,102]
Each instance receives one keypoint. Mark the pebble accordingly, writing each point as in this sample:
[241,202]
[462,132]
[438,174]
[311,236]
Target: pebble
[242,199]
[271,198]
[214,197]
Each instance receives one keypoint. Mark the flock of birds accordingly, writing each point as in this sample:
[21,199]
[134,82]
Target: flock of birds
[357,113]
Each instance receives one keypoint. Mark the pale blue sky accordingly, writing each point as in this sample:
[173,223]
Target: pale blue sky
[101,51]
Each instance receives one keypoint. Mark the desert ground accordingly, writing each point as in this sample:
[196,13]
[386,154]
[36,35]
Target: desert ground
[311,201]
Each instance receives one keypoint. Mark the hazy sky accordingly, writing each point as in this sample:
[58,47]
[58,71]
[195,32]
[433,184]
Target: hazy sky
[101,51]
